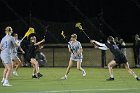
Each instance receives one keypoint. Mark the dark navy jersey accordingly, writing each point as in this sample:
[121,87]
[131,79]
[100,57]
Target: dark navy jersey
[32,50]
[114,49]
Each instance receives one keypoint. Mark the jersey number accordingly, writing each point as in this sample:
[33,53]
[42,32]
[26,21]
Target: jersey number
[5,45]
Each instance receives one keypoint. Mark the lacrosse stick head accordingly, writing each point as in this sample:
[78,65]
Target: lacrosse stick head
[79,26]
[62,33]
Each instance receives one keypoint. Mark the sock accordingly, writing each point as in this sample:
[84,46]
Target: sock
[112,76]
[65,76]
[83,70]
[5,81]
[135,76]
[2,79]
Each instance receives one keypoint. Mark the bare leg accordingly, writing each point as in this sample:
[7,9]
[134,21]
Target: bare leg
[36,65]
[67,70]
[6,74]
[16,65]
[69,67]
[36,68]
[131,71]
[80,68]
[110,68]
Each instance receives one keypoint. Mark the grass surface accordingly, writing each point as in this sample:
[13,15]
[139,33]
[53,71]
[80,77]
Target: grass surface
[94,82]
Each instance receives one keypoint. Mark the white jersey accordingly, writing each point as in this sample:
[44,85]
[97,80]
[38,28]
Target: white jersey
[75,47]
[14,51]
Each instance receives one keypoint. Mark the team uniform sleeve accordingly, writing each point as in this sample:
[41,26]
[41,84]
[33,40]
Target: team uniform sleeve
[102,46]
[13,41]
[0,46]
[80,46]
[68,45]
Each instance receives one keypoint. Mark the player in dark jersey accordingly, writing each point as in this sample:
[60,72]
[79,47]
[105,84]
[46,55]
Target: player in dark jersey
[119,57]
[32,54]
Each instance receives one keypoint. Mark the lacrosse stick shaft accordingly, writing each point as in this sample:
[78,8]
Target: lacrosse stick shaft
[62,33]
[80,27]
[86,35]
[69,46]
[22,39]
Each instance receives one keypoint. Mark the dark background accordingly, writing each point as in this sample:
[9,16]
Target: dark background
[99,18]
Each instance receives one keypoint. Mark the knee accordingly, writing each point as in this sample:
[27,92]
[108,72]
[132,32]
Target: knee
[68,67]
[109,66]
[36,63]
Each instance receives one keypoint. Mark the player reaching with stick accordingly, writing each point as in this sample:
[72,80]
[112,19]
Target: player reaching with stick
[119,57]
[76,50]
[32,54]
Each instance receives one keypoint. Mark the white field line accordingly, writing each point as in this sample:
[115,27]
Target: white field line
[81,90]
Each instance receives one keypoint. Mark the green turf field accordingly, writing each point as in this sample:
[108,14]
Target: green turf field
[94,82]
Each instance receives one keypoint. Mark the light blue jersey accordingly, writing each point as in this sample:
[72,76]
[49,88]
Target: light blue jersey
[75,47]
[8,43]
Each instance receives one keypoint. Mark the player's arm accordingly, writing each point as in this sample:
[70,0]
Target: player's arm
[99,45]
[80,50]
[0,46]
[103,48]
[21,50]
[38,43]
[14,42]
[69,47]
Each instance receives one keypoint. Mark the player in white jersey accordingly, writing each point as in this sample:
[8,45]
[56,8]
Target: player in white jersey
[15,59]
[6,45]
[76,50]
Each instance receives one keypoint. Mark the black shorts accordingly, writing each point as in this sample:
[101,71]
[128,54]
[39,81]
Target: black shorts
[29,57]
[120,59]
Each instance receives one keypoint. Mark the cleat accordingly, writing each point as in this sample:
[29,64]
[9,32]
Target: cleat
[84,73]
[34,76]
[15,73]
[2,81]
[110,79]
[39,75]
[137,78]
[6,85]
[64,78]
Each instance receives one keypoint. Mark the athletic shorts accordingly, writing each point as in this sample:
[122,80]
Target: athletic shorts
[14,56]
[6,58]
[120,60]
[78,59]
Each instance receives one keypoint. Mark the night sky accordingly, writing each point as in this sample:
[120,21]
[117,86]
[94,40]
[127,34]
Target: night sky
[119,18]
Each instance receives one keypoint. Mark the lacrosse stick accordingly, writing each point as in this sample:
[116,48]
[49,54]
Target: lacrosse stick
[62,33]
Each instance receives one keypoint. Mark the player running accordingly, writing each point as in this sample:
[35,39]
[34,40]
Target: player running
[119,57]
[16,61]
[32,54]
[76,50]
